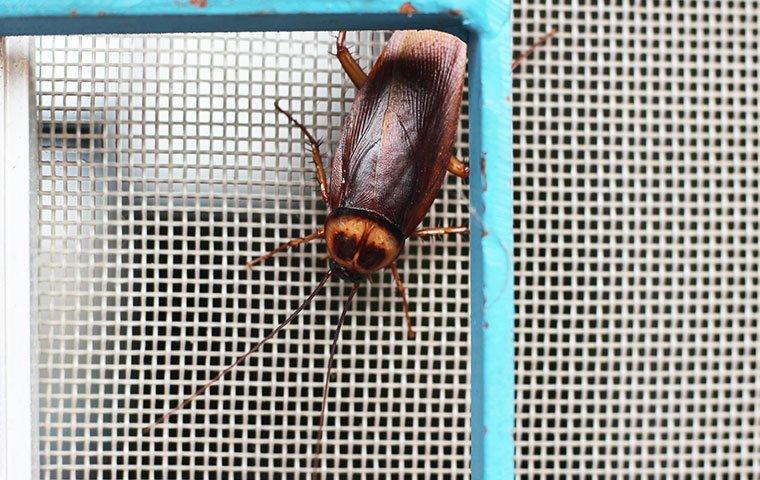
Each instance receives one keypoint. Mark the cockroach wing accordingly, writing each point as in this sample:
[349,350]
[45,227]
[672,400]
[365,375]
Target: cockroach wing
[397,138]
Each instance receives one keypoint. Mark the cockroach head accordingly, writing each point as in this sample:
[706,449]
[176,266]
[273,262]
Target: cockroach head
[360,243]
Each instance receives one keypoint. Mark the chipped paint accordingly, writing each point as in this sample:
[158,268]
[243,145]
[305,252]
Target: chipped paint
[407,9]
[199,3]
[483,177]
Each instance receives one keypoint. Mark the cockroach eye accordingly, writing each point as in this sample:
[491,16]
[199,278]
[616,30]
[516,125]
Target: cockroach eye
[345,246]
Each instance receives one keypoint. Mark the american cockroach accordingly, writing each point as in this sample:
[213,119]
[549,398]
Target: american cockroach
[391,159]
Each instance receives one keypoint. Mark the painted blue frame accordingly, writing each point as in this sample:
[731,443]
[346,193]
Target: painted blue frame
[486,26]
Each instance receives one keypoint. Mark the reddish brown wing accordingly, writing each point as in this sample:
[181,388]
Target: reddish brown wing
[397,139]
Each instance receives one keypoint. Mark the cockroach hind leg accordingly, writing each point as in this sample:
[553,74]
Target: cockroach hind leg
[340,39]
[349,63]
[405,298]
[320,233]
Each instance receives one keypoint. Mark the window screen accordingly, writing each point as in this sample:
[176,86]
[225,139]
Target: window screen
[637,226]
[163,167]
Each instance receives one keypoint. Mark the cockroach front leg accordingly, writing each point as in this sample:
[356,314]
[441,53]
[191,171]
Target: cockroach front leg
[402,291]
[349,63]
[432,231]
[289,244]
[315,153]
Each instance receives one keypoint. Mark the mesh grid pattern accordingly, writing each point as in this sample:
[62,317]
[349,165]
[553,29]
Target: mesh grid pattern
[163,167]
[637,222]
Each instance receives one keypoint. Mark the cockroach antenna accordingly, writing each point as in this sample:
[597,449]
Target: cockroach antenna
[318,446]
[242,357]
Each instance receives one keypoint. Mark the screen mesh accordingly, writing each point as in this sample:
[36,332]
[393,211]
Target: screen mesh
[163,168]
[637,225]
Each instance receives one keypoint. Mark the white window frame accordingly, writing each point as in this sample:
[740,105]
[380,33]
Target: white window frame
[18,154]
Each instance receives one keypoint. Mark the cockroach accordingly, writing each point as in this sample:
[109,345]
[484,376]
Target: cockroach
[390,162]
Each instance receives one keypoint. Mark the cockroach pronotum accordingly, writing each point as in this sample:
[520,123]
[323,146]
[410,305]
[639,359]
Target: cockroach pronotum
[389,164]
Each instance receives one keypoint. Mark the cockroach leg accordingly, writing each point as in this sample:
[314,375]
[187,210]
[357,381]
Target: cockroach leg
[349,63]
[458,167]
[402,291]
[320,233]
[315,153]
[315,464]
[541,41]
[429,232]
